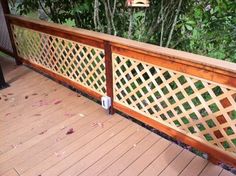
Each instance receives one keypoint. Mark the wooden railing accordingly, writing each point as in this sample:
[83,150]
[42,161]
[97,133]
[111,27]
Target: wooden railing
[189,97]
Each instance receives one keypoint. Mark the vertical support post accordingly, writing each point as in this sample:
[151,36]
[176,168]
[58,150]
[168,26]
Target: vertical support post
[3,83]
[6,10]
[109,73]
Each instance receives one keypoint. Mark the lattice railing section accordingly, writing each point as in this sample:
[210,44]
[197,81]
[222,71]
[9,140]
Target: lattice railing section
[197,107]
[80,63]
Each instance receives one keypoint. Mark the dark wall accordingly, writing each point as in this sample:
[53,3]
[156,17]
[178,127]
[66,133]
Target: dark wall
[4,36]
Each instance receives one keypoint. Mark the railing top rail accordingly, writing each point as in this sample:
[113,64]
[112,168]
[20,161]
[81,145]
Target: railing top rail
[97,40]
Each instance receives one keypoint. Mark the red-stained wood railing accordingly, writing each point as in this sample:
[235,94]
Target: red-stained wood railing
[187,96]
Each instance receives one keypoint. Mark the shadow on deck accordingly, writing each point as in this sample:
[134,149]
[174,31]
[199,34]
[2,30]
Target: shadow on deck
[47,129]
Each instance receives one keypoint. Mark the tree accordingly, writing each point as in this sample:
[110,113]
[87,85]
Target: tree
[209,28]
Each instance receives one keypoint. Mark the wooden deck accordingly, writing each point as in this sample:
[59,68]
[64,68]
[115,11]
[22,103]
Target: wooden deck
[47,130]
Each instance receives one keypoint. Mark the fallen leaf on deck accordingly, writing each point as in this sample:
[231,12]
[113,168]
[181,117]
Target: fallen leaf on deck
[7,114]
[26,97]
[5,99]
[37,114]
[135,145]
[45,94]
[42,132]
[34,94]
[81,115]
[78,95]
[10,94]
[57,102]
[70,131]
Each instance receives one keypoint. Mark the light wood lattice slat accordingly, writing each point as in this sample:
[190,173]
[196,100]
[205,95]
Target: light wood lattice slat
[197,107]
[78,62]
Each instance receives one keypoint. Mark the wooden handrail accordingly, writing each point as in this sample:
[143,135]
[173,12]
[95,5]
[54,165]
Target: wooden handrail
[200,67]
[83,36]
[218,71]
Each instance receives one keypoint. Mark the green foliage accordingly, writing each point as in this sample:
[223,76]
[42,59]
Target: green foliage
[202,27]
[209,28]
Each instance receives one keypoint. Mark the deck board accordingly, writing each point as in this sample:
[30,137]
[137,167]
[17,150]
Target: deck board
[177,165]
[107,153]
[11,173]
[39,112]
[210,169]
[123,162]
[194,167]
[226,173]
[148,157]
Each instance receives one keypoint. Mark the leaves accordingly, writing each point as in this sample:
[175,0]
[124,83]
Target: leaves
[46,102]
[70,131]
[190,28]
[7,114]
[41,133]
[209,29]
[203,27]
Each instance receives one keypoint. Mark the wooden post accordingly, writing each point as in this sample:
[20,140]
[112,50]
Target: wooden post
[3,83]
[6,11]
[109,74]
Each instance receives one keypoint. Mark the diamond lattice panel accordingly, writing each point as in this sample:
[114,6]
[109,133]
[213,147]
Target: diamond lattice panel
[194,106]
[78,62]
